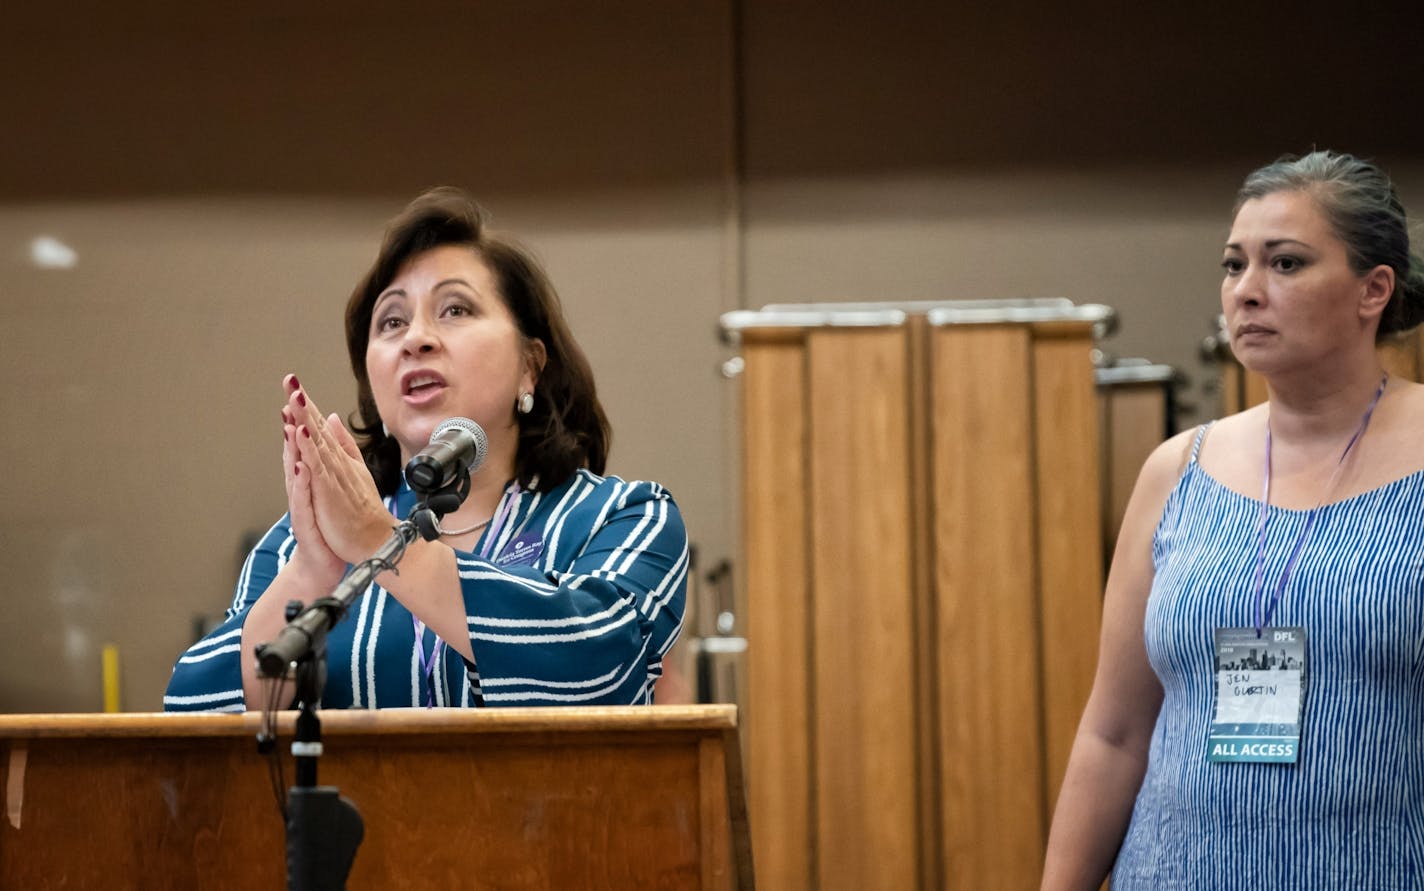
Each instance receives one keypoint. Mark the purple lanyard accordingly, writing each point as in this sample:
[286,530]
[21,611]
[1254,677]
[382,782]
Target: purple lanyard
[496,527]
[1258,583]
[427,666]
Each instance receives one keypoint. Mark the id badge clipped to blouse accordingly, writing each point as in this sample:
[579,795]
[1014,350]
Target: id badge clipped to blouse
[1260,694]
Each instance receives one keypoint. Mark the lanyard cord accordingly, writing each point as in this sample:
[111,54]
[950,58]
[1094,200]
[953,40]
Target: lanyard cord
[1264,618]
[427,665]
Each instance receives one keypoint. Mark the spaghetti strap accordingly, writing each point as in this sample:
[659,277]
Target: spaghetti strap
[1199,439]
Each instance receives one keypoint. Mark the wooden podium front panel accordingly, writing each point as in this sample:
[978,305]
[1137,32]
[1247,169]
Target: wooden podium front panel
[991,736]
[867,829]
[531,801]
[1069,547]
[776,527]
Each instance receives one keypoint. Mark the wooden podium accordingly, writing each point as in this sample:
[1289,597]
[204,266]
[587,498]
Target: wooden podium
[599,798]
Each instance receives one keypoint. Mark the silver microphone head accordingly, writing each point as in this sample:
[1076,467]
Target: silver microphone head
[475,430]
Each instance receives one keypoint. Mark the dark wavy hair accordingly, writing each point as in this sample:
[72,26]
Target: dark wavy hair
[567,428]
[1360,203]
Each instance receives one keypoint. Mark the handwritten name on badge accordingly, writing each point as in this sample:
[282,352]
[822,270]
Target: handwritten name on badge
[1245,685]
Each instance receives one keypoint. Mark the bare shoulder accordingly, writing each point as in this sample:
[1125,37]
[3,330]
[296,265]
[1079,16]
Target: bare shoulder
[1165,466]
[1158,477]
[1242,428]
[1169,459]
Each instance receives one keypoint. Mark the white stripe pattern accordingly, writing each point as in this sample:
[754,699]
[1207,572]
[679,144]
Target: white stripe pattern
[587,621]
[209,654]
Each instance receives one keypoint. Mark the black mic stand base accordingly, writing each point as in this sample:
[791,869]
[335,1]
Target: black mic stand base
[323,832]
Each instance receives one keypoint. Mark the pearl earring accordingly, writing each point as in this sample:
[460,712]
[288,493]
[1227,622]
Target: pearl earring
[526,403]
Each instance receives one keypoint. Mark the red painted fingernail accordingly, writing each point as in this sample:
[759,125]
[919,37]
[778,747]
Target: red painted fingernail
[301,399]
[296,470]
[285,419]
[306,432]
[293,382]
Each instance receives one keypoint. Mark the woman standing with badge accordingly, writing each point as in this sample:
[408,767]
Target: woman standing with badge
[1258,714]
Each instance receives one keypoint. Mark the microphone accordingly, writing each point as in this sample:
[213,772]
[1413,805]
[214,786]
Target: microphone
[458,446]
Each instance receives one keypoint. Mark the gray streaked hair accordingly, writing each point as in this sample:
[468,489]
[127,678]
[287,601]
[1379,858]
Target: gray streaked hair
[1363,210]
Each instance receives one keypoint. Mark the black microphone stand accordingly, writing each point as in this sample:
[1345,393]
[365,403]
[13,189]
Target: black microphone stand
[323,828]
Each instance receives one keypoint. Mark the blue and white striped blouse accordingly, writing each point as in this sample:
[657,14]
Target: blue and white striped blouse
[1349,814]
[581,596]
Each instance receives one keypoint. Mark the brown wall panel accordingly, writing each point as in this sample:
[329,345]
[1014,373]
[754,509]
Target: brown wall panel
[364,98]
[851,87]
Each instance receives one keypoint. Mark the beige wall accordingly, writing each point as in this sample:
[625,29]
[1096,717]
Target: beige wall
[1146,241]
[144,386]
[225,179]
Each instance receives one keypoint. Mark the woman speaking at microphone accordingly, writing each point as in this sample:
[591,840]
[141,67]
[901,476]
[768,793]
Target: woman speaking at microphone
[550,584]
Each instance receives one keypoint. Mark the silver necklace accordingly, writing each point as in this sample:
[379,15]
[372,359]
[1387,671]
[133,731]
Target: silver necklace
[473,528]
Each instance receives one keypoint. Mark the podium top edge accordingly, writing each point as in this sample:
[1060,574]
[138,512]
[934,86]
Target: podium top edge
[378,722]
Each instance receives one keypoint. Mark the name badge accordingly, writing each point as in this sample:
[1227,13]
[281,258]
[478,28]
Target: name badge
[521,551]
[1260,694]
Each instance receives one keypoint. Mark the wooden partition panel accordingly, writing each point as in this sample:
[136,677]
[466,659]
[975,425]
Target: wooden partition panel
[774,501]
[1069,548]
[923,586]
[1133,425]
[991,745]
[925,609]
[863,657]
[506,798]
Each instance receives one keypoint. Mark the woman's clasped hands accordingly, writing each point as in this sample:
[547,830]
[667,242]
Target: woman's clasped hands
[336,512]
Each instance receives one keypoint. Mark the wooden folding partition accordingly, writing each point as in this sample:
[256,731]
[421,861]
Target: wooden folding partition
[546,798]
[1137,412]
[826,486]
[923,589]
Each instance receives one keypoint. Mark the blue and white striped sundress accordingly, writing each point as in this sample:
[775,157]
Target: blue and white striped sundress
[1349,813]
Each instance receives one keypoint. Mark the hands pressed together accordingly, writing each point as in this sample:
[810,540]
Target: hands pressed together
[336,513]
